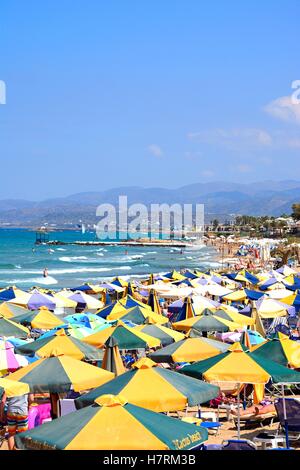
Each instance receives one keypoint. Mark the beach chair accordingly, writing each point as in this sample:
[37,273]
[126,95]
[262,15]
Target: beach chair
[238,444]
[292,407]
[269,439]
[252,418]
[66,406]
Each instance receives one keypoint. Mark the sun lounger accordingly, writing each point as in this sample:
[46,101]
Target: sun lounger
[238,444]
[269,439]
[292,406]
[252,418]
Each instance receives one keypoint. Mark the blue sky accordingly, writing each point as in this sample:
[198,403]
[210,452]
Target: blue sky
[146,93]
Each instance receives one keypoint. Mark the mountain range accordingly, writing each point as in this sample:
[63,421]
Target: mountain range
[221,199]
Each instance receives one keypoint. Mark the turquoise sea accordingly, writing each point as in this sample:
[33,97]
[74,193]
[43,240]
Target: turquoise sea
[22,262]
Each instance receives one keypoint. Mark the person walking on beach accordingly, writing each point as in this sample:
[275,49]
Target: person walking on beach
[17,415]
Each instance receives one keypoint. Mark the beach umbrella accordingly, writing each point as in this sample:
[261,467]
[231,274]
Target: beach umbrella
[10,328]
[251,369]
[113,424]
[153,302]
[251,339]
[270,308]
[189,350]
[186,311]
[280,349]
[112,360]
[12,388]
[190,274]
[138,315]
[36,300]
[174,275]
[155,388]
[88,288]
[9,361]
[21,299]
[127,338]
[42,319]
[61,301]
[77,330]
[236,296]
[253,294]
[216,290]
[113,308]
[8,310]
[164,334]
[232,315]
[118,281]
[206,323]
[129,302]
[85,301]
[201,303]
[250,277]
[269,283]
[10,293]
[61,374]
[286,270]
[109,286]
[60,344]
[90,320]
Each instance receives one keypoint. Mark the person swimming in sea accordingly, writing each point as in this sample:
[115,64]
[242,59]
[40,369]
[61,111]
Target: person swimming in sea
[45,272]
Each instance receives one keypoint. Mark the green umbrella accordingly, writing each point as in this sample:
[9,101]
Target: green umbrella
[113,424]
[10,328]
[155,388]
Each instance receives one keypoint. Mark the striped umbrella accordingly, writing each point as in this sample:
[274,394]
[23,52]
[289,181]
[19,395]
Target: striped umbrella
[43,319]
[165,335]
[85,301]
[139,315]
[61,344]
[154,388]
[12,388]
[10,328]
[281,349]
[111,423]
[8,310]
[205,323]
[9,361]
[112,360]
[189,350]
[153,302]
[61,374]
[129,302]
[112,308]
[127,338]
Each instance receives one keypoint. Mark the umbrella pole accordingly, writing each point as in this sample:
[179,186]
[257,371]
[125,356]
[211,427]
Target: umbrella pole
[286,427]
[239,412]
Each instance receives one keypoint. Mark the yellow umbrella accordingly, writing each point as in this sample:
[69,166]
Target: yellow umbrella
[12,388]
[127,338]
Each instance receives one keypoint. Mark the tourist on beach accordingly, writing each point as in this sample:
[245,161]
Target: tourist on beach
[45,272]
[17,415]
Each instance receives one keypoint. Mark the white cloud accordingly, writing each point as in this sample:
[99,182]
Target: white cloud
[233,138]
[284,108]
[155,150]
